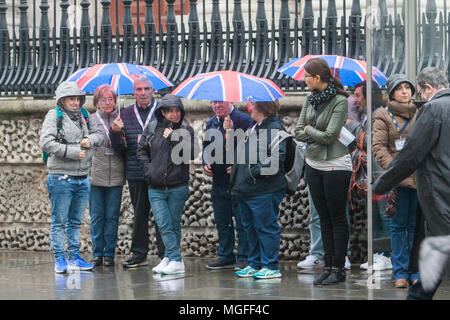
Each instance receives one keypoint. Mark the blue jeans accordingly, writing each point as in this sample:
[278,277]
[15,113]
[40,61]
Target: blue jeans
[259,218]
[402,228]
[104,209]
[167,207]
[69,198]
[225,208]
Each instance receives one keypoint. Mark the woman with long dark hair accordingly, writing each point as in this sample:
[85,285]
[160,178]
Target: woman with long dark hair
[328,166]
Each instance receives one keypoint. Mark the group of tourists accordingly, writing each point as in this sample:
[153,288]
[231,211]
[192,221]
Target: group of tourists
[92,156]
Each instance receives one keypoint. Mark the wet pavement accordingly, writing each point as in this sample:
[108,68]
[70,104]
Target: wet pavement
[30,276]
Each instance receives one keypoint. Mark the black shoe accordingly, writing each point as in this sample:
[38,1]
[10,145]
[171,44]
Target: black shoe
[325,274]
[241,265]
[135,262]
[337,275]
[108,261]
[97,261]
[220,264]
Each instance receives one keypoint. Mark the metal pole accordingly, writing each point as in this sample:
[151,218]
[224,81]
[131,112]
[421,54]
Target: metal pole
[369,139]
[411,39]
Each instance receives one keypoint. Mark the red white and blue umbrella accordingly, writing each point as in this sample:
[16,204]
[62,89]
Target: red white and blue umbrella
[120,76]
[349,71]
[231,86]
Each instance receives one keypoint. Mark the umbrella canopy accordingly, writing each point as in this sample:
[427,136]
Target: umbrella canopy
[349,71]
[231,86]
[120,76]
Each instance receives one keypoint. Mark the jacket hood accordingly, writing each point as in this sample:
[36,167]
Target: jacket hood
[69,89]
[169,100]
[396,79]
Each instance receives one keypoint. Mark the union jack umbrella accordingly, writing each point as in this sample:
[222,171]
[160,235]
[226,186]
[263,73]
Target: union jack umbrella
[120,76]
[349,71]
[227,85]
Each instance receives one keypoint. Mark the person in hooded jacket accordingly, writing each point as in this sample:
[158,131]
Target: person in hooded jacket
[167,176]
[107,175]
[390,129]
[69,158]
[427,152]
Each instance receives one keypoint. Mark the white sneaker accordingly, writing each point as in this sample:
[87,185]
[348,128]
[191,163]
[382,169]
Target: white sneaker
[311,262]
[348,265]
[164,262]
[380,262]
[174,267]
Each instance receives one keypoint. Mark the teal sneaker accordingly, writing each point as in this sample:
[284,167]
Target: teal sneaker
[246,272]
[265,273]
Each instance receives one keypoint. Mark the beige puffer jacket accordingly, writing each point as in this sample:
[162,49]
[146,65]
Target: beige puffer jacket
[385,134]
[106,170]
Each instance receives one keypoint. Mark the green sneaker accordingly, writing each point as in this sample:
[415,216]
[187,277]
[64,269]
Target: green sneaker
[265,273]
[246,272]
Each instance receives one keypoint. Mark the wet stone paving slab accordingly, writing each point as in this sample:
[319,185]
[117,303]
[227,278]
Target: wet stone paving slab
[30,276]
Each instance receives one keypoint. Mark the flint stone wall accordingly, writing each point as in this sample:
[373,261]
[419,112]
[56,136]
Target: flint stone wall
[25,211]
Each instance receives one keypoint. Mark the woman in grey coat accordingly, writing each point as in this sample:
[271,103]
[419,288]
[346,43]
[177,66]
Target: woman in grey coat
[69,159]
[107,176]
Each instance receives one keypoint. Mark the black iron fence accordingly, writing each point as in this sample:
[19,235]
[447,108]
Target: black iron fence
[36,56]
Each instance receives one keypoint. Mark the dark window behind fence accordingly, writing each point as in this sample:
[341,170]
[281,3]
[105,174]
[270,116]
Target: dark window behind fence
[184,38]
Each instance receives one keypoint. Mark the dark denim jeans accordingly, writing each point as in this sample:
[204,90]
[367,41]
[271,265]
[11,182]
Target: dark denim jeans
[104,209]
[225,207]
[402,227]
[69,198]
[167,207]
[259,218]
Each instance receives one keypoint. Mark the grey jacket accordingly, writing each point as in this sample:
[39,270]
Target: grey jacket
[63,155]
[106,170]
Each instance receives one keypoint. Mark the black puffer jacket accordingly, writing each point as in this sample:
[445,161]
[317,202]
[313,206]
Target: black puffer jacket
[154,153]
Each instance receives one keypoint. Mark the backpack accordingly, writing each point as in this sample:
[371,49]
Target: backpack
[294,162]
[59,124]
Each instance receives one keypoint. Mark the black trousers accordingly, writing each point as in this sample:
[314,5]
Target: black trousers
[329,191]
[141,206]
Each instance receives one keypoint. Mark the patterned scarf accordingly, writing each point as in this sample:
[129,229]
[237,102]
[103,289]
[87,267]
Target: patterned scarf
[318,97]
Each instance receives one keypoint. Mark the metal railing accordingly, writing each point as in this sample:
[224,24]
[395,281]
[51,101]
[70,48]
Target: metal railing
[35,58]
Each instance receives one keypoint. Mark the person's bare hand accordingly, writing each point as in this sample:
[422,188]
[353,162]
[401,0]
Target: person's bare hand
[117,124]
[167,132]
[208,170]
[228,123]
[229,169]
[86,143]
[82,154]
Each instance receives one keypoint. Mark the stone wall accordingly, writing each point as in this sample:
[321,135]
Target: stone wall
[25,211]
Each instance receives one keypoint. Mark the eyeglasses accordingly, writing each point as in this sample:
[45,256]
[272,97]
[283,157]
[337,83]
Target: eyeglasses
[105,100]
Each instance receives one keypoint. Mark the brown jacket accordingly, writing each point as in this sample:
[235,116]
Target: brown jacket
[385,134]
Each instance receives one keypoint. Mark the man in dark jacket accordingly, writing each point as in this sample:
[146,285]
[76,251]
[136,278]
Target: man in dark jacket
[426,151]
[125,134]
[224,204]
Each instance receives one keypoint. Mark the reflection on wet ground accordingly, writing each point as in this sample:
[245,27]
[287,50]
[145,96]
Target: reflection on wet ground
[30,276]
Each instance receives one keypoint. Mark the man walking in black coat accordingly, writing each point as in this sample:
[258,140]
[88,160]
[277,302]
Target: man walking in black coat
[125,133]
[427,152]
